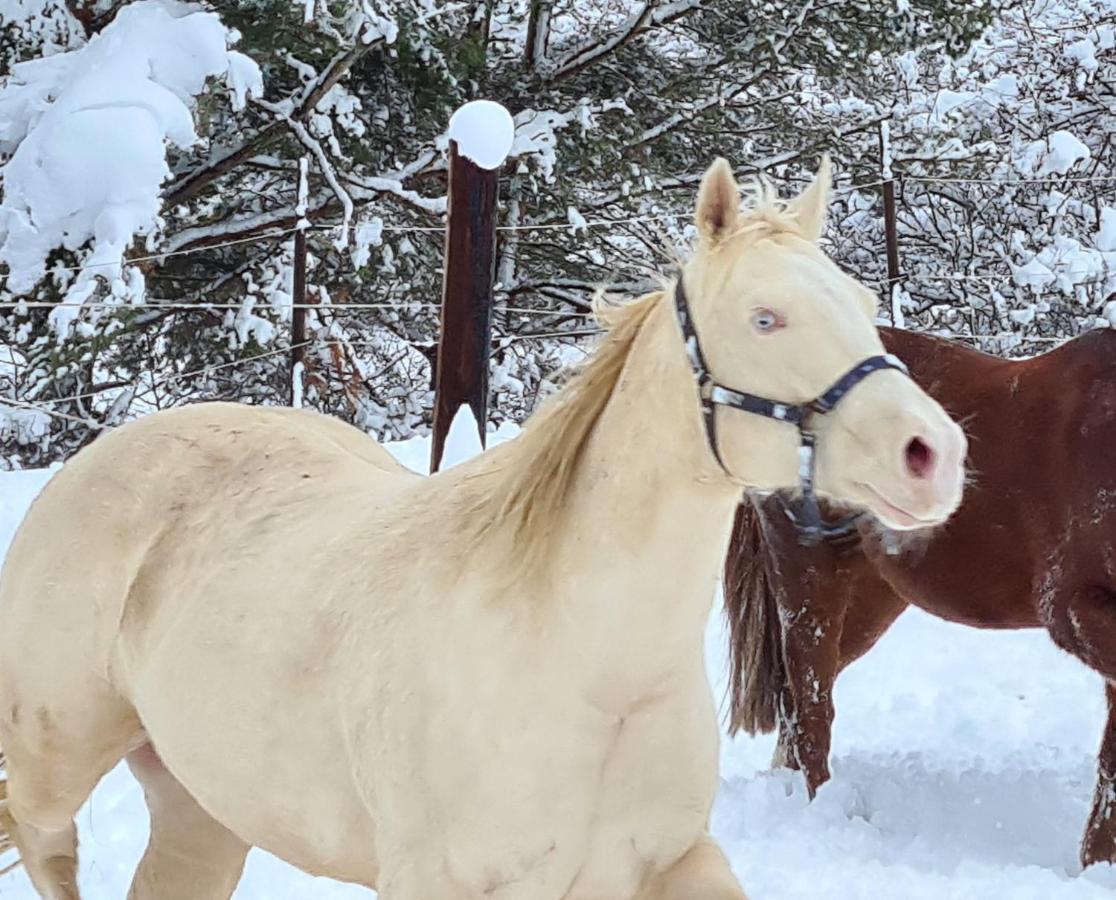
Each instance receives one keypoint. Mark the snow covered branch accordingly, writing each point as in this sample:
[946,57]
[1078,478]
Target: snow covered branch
[184,189]
[87,133]
[538,29]
[585,54]
[324,166]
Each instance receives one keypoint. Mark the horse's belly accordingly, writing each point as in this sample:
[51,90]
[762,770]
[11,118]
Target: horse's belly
[505,815]
[297,805]
[264,754]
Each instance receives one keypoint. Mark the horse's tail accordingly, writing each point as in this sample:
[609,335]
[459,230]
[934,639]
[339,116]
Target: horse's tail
[7,845]
[757,670]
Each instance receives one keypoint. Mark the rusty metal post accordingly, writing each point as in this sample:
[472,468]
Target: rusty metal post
[891,228]
[298,290]
[464,344]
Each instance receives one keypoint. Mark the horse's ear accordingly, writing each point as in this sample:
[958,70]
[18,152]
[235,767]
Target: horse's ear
[810,206]
[718,204]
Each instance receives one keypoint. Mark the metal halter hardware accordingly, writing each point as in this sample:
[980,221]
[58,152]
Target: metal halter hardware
[804,512]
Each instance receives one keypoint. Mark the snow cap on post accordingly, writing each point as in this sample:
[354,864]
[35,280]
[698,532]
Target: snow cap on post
[483,131]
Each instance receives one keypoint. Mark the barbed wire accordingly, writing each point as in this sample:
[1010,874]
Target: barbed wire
[39,408]
[402,305]
[154,384]
[1047,179]
[1008,279]
[43,405]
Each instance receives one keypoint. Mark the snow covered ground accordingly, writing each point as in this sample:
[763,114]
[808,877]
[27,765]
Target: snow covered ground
[963,769]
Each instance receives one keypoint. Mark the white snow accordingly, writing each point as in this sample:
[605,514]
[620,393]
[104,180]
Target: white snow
[1084,53]
[576,219]
[885,149]
[244,79]
[1063,153]
[369,233]
[87,132]
[907,64]
[1001,88]
[1106,234]
[947,101]
[536,131]
[1033,275]
[298,372]
[1066,264]
[1109,313]
[483,131]
[899,298]
[963,766]
[463,440]
[22,424]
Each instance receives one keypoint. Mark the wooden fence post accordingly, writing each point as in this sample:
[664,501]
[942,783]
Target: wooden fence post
[477,150]
[298,290]
[891,229]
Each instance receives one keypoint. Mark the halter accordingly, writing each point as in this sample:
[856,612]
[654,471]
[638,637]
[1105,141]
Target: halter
[803,512]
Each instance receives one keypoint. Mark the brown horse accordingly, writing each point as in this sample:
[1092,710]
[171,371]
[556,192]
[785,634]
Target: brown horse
[1033,545]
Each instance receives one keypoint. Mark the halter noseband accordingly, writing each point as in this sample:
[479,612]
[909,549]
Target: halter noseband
[804,513]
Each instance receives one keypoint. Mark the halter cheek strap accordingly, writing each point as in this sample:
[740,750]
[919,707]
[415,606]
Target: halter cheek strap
[805,513]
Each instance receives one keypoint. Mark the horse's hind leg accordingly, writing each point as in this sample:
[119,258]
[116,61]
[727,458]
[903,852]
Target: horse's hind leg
[54,758]
[190,855]
[49,856]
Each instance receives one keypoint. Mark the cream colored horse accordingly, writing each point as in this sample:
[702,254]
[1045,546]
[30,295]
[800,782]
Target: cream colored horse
[483,684]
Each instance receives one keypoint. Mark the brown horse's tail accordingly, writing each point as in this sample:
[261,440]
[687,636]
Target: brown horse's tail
[758,673]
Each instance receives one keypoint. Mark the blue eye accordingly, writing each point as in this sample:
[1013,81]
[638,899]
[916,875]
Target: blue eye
[767,320]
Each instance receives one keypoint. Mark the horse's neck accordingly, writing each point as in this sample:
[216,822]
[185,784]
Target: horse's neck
[948,368]
[650,510]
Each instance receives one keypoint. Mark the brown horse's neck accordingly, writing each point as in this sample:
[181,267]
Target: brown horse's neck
[954,369]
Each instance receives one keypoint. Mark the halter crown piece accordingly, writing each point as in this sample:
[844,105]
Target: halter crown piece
[804,511]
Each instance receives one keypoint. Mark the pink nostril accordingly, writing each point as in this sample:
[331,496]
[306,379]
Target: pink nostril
[920,458]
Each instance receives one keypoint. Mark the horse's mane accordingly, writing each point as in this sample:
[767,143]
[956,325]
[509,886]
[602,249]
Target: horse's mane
[517,492]
[514,497]
[767,213]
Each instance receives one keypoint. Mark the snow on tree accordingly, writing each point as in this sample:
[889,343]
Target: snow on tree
[1025,116]
[618,105]
[85,134]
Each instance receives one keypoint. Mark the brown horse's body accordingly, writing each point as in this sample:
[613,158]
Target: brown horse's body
[1033,545]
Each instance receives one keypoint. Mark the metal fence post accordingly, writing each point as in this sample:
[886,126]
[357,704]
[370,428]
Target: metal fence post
[465,339]
[298,290]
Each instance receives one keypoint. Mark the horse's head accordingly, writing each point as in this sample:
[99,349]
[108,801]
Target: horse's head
[776,324]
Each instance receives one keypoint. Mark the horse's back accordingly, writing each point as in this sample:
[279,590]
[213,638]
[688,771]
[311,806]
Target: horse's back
[101,529]
[170,584]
